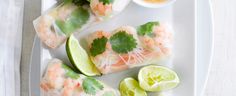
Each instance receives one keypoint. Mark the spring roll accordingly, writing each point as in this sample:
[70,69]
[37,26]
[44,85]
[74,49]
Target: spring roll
[58,23]
[61,80]
[117,51]
[128,47]
[71,16]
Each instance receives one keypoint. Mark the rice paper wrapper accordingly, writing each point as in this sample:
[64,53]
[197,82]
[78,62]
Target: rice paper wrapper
[61,80]
[155,48]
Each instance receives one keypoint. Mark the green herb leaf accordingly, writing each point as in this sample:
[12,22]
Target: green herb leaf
[65,27]
[67,1]
[80,2]
[70,73]
[98,46]
[147,28]
[106,1]
[123,42]
[91,85]
[75,21]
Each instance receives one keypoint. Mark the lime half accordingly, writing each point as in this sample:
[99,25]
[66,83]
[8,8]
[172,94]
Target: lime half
[79,57]
[157,78]
[130,87]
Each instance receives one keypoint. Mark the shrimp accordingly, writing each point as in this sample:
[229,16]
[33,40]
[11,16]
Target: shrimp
[55,79]
[165,38]
[104,9]
[46,32]
[160,42]
[72,88]
[54,76]
[100,8]
[46,28]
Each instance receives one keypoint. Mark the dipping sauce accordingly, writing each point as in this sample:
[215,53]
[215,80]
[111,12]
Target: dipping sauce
[155,1]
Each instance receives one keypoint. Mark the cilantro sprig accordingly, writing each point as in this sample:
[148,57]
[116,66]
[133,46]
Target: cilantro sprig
[106,1]
[146,29]
[98,46]
[91,85]
[70,73]
[123,42]
[80,2]
[76,20]
[77,2]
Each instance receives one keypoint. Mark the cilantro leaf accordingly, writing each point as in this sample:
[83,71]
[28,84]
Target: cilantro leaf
[147,28]
[91,85]
[123,42]
[76,20]
[98,46]
[80,2]
[67,1]
[70,73]
[106,1]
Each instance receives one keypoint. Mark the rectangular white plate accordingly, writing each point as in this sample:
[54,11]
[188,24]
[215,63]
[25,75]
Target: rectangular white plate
[181,16]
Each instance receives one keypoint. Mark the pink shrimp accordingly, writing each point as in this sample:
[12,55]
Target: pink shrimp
[55,80]
[70,88]
[100,9]
[47,30]
[161,40]
[54,77]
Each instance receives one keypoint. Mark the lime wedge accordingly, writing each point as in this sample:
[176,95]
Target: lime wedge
[157,78]
[130,87]
[79,57]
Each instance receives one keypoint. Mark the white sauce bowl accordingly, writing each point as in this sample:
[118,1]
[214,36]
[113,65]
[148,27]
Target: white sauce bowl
[154,5]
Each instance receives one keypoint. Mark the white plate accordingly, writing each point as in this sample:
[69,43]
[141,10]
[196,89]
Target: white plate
[204,43]
[182,17]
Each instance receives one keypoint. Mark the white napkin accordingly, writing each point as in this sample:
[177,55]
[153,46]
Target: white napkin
[11,16]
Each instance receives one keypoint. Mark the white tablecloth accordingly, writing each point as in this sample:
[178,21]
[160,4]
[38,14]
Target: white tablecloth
[222,79]
[11,16]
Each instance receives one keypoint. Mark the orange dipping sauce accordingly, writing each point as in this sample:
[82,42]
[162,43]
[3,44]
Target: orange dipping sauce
[155,1]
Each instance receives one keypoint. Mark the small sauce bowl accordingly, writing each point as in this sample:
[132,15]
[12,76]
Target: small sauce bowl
[154,3]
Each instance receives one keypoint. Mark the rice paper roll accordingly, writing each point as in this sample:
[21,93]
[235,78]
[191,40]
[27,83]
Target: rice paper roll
[71,16]
[117,51]
[61,80]
[128,47]
[58,23]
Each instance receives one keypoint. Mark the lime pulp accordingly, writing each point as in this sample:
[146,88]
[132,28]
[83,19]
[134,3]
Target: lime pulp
[79,57]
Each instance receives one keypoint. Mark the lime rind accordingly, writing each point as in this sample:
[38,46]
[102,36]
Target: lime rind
[79,57]
[165,78]
[130,87]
